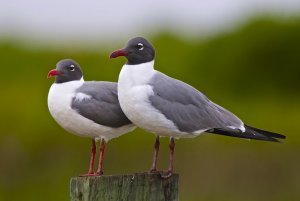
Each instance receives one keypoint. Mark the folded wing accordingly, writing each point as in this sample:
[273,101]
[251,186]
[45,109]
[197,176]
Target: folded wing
[98,101]
[189,109]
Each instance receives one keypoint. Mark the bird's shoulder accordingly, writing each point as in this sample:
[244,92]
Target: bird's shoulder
[175,90]
[99,91]
[98,101]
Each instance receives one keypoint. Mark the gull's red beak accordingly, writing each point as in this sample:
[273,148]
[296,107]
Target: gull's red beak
[118,53]
[53,72]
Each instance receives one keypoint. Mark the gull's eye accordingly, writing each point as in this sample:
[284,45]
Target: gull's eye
[140,46]
[72,67]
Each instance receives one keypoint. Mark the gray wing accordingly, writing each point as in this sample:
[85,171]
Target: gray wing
[188,108]
[101,104]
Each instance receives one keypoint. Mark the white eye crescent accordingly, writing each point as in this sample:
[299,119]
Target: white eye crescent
[140,46]
[72,67]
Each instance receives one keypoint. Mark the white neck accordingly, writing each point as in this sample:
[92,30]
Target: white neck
[66,87]
[132,75]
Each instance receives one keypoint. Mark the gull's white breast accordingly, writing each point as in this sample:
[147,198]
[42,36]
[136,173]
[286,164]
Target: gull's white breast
[134,92]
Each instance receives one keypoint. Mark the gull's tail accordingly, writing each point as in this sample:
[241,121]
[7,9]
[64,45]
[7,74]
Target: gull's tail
[250,133]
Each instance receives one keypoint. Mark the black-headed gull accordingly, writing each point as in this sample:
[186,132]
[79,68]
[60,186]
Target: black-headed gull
[87,109]
[169,107]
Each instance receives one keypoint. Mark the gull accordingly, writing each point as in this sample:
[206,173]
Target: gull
[87,109]
[169,107]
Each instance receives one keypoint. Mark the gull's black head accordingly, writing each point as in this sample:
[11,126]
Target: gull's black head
[66,70]
[137,51]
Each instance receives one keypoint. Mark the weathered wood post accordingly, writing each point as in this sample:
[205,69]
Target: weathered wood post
[132,187]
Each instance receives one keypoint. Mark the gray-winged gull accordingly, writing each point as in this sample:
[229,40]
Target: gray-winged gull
[169,107]
[87,109]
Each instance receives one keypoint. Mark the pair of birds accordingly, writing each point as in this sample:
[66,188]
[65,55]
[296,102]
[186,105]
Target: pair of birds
[142,97]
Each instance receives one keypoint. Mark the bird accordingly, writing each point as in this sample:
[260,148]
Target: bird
[169,107]
[86,108]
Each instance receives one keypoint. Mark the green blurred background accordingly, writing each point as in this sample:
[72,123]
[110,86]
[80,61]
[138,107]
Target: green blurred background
[253,70]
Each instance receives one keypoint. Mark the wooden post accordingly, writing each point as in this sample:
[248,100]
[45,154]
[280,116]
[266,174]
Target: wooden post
[133,187]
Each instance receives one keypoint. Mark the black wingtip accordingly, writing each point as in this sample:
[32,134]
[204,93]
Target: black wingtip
[250,133]
[266,133]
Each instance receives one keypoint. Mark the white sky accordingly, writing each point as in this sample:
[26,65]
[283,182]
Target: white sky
[89,20]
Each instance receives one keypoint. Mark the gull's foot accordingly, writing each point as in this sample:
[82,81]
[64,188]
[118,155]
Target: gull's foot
[153,171]
[99,173]
[90,174]
[166,175]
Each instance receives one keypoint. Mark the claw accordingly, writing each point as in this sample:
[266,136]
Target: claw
[89,174]
[153,171]
[99,173]
[166,175]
